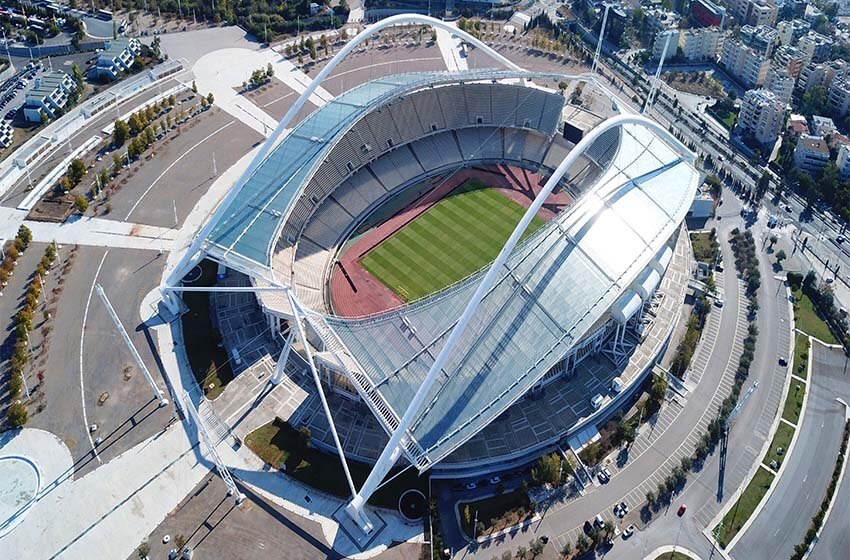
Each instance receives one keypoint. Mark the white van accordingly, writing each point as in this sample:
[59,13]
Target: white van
[617,384]
[596,402]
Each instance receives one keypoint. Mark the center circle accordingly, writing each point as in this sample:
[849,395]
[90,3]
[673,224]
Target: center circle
[412,505]
[20,482]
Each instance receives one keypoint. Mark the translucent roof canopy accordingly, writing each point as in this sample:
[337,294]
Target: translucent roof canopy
[557,285]
[246,230]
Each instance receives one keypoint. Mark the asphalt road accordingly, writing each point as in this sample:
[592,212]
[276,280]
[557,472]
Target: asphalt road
[779,527]
[834,541]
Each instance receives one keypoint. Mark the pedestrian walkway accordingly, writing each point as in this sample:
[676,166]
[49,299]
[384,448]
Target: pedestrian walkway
[220,72]
[96,232]
[450,48]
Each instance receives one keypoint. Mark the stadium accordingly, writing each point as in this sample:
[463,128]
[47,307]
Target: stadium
[471,267]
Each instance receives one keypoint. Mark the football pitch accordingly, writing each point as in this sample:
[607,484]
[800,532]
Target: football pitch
[457,236]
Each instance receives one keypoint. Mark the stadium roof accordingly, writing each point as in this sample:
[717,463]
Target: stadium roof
[246,230]
[557,285]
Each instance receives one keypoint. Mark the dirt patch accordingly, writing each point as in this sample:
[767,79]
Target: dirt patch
[54,209]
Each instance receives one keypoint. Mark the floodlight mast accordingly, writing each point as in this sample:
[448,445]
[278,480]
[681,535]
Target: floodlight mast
[393,449]
[194,253]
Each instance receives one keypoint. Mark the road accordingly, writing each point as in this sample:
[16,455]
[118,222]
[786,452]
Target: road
[778,527]
[834,541]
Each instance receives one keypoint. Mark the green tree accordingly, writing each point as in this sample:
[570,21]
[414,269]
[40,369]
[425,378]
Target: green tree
[117,163]
[548,470]
[24,234]
[17,415]
[194,87]
[269,70]
[76,171]
[781,256]
[210,98]
[81,204]
[120,133]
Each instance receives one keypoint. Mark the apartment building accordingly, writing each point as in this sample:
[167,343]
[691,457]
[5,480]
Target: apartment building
[838,95]
[117,58]
[811,154]
[762,115]
[701,43]
[744,63]
[815,47]
[761,38]
[779,83]
[790,58]
[49,96]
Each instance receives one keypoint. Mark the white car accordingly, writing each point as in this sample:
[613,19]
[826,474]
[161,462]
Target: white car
[629,531]
[596,402]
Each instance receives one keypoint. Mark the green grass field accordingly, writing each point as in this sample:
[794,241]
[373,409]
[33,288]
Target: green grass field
[460,234]
[744,507]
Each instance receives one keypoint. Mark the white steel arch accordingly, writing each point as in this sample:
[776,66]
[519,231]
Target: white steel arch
[393,448]
[192,254]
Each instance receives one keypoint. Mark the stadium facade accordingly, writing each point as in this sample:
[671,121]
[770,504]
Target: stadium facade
[437,371]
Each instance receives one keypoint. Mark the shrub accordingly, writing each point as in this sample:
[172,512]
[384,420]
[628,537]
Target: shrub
[17,415]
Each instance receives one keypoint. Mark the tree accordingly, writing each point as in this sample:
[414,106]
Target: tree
[24,234]
[143,550]
[582,543]
[179,542]
[537,547]
[781,256]
[210,98]
[17,415]
[521,552]
[117,163]
[194,87]
[567,549]
[269,70]
[548,470]
[120,133]
[81,204]
[467,516]
[76,171]
[204,103]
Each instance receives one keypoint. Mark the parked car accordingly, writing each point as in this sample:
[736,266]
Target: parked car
[681,510]
[495,480]
[598,522]
[783,362]
[596,402]
[471,486]
[604,475]
[629,531]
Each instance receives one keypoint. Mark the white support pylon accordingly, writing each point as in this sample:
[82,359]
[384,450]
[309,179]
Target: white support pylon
[280,367]
[232,489]
[141,363]
[599,42]
[656,80]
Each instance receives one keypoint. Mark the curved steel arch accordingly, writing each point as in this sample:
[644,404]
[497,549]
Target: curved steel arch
[392,450]
[177,273]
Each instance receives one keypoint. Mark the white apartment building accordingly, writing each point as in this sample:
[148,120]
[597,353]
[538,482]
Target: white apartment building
[117,58]
[789,32]
[816,47]
[702,43]
[660,42]
[744,62]
[839,95]
[811,154]
[762,115]
[822,126]
[843,161]
[49,96]
[790,58]
[822,74]
[753,12]
[779,83]
[761,38]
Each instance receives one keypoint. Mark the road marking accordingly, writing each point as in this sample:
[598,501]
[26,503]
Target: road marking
[82,341]
[167,169]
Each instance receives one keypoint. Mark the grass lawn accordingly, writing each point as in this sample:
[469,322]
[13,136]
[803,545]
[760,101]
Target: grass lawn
[744,507]
[808,320]
[209,361]
[794,402]
[782,439]
[278,443]
[705,247]
[729,120]
[672,556]
[457,236]
[801,356]
[496,512]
